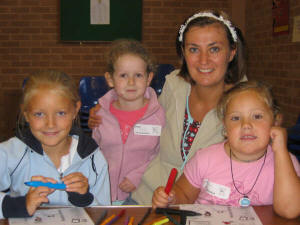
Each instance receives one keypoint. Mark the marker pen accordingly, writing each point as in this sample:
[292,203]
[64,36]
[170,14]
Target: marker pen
[47,184]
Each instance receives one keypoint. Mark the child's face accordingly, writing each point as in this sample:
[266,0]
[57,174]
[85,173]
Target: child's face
[130,78]
[50,115]
[248,122]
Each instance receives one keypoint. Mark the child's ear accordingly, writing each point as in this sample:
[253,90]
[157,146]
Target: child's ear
[78,105]
[278,119]
[150,77]
[109,80]
[24,112]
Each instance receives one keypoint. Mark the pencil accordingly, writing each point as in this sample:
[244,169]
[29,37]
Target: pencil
[108,219]
[161,221]
[126,221]
[102,217]
[145,217]
[155,220]
[116,217]
[131,220]
[172,219]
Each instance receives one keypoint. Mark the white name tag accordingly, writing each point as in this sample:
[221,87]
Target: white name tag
[147,129]
[216,190]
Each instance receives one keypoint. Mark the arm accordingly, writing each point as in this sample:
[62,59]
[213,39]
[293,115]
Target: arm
[183,192]
[94,120]
[135,175]
[101,187]
[25,206]
[286,196]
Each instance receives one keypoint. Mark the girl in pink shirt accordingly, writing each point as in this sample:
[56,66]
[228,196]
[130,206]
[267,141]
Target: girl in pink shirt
[252,167]
[132,118]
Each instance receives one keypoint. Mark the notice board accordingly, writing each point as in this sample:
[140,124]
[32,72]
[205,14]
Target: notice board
[123,20]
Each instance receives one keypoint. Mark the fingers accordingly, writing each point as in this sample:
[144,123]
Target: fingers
[76,182]
[279,138]
[127,186]
[160,198]
[94,120]
[35,197]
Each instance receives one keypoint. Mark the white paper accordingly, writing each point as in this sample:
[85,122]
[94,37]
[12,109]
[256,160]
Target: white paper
[220,215]
[60,216]
[296,29]
[100,12]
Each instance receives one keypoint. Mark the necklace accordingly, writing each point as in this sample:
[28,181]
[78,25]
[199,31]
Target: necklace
[242,160]
[245,201]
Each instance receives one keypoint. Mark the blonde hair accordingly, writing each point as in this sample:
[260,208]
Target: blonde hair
[50,79]
[261,89]
[128,46]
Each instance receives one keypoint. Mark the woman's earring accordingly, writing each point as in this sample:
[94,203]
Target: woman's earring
[224,133]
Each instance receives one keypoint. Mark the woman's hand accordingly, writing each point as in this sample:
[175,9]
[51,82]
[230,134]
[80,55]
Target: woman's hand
[94,120]
[38,195]
[161,199]
[76,182]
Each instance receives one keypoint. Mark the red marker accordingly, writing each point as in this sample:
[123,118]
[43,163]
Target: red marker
[171,180]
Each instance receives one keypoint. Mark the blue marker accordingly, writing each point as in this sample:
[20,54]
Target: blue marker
[48,184]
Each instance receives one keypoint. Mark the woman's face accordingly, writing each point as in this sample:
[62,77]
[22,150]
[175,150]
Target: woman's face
[207,54]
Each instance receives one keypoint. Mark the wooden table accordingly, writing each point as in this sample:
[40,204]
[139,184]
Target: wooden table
[265,213]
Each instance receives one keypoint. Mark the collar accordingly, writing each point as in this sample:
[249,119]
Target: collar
[86,145]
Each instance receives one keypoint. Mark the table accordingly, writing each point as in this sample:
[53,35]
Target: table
[265,213]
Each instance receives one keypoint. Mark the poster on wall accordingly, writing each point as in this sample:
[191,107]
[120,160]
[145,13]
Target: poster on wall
[280,15]
[100,20]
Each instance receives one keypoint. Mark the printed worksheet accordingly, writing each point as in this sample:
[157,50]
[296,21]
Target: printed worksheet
[60,216]
[220,215]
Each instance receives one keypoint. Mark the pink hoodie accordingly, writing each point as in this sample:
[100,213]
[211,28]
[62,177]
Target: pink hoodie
[131,159]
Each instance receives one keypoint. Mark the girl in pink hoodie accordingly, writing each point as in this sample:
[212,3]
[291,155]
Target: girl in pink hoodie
[132,118]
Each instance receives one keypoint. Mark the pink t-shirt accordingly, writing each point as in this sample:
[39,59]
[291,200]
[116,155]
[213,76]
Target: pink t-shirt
[127,119]
[210,171]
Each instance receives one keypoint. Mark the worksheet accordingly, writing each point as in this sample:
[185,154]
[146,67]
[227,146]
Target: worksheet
[59,216]
[220,215]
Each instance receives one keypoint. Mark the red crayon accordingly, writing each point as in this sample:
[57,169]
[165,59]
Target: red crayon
[171,180]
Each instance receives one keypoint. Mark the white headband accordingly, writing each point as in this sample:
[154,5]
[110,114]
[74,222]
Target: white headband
[208,14]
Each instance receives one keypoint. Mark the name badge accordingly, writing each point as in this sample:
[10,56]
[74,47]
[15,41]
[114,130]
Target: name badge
[147,129]
[216,190]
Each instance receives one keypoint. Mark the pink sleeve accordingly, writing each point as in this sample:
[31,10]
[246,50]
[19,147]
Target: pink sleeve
[193,169]
[135,176]
[96,135]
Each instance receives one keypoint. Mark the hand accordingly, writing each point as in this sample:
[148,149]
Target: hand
[127,186]
[279,138]
[94,120]
[161,199]
[76,182]
[38,195]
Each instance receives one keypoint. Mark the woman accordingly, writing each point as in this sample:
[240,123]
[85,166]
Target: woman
[212,61]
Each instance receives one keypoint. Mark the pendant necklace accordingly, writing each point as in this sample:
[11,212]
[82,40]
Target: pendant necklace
[245,201]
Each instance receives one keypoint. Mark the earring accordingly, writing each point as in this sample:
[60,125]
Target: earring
[224,133]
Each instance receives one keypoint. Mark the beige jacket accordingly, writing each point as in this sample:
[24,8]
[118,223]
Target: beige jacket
[173,100]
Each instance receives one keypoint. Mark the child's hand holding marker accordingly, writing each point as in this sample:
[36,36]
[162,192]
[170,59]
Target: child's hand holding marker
[164,196]
[38,194]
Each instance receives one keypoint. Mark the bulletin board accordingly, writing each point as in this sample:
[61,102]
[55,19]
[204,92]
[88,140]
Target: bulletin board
[125,21]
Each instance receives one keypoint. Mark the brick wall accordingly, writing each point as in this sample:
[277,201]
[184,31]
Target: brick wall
[274,59]
[30,41]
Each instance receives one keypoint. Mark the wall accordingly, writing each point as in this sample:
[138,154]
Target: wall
[30,41]
[274,59]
